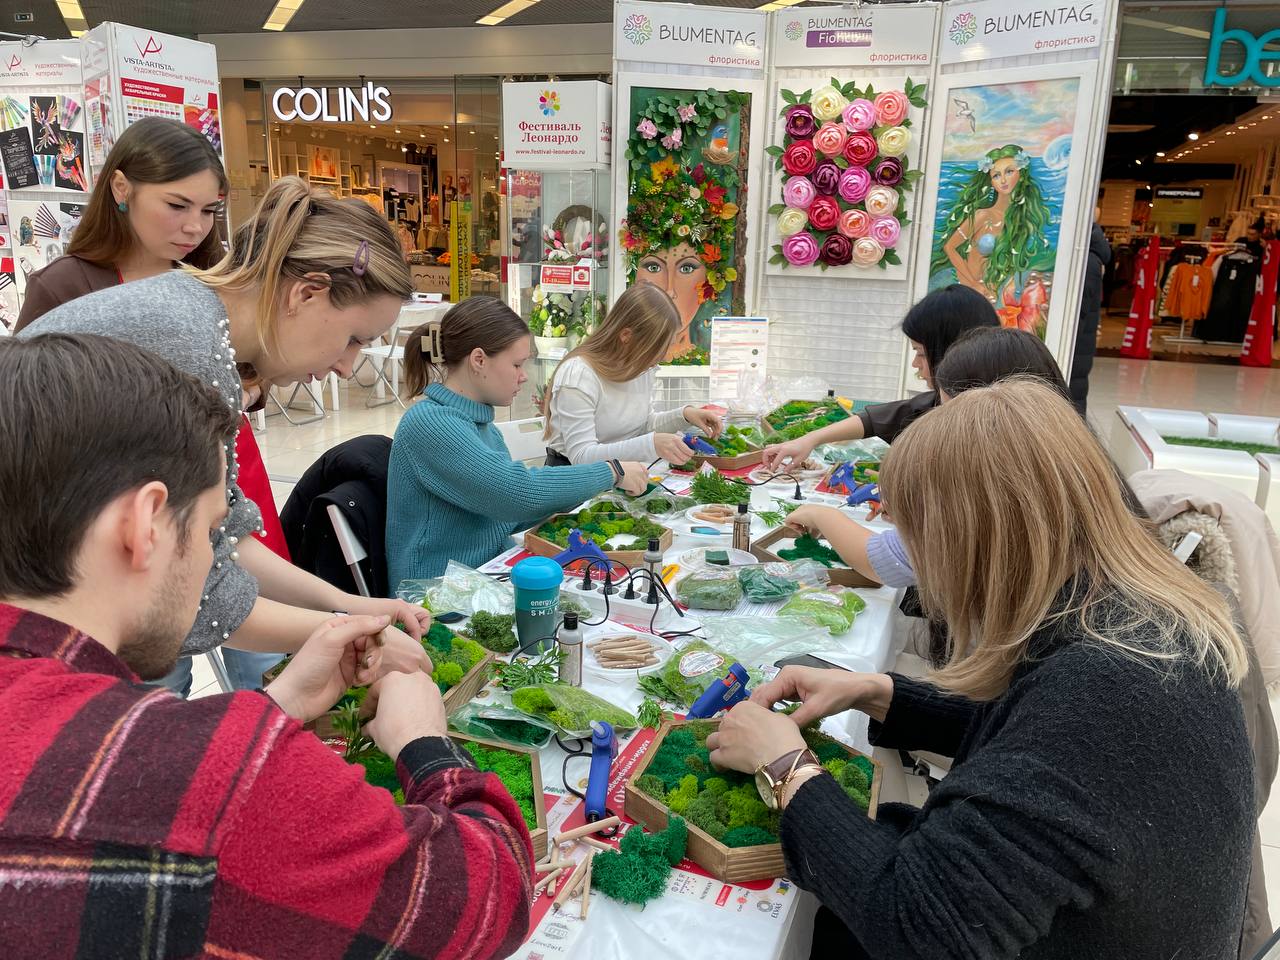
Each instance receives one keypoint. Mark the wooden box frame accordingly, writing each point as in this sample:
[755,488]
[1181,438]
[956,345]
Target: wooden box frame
[728,864]
[773,428]
[740,462]
[632,558]
[540,836]
[840,576]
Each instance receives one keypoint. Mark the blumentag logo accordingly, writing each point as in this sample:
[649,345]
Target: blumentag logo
[794,29]
[964,27]
[152,46]
[637,29]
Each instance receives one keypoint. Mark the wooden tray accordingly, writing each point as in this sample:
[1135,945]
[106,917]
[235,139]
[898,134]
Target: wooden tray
[840,576]
[728,864]
[740,462]
[632,558]
[539,836]
[776,425]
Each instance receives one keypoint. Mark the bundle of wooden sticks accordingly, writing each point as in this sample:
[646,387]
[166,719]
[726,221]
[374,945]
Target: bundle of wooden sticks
[628,652]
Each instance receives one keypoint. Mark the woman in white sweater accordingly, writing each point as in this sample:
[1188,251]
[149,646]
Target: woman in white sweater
[599,404]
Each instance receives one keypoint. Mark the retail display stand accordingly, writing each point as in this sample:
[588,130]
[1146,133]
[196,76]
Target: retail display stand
[46,173]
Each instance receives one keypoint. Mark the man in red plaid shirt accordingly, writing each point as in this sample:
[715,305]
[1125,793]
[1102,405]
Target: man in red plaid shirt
[136,824]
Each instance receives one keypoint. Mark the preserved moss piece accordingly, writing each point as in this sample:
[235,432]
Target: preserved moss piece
[651,786]
[638,873]
[570,708]
[748,837]
[701,812]
[679,798]
[762,587]
[514,770]
[439,639]
[493,631]
[710,591]
[808,547]
[446,675]
[836,612]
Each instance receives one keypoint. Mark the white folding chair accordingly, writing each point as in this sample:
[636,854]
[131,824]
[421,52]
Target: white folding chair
[353,551]
[380,355]
[219,669]
[524,438]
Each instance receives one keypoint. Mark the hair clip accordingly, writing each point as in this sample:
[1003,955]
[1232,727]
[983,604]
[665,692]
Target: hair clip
[361,262]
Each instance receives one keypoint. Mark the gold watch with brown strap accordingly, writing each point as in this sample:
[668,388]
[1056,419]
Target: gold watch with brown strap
[772,778]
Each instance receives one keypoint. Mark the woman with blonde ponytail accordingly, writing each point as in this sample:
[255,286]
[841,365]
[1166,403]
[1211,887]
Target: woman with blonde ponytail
[1101,802]
[310,279]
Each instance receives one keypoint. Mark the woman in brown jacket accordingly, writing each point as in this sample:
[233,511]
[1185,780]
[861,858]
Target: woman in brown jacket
[155,204]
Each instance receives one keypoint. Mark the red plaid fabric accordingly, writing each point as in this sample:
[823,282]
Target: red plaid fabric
[135,824]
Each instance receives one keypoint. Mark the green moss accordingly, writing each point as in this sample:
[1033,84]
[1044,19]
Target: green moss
[679,798]
[570,708]
[515,770]
[809,547]
[748,837]
[1215,443]
[638,873]
[446,675]
[599,527]
[493,631]
[651,786]
[439,639]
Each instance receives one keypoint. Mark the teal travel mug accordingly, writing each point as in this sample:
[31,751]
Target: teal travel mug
[537,586]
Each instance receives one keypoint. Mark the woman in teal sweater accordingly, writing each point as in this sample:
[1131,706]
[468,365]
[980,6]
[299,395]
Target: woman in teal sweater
[453,491]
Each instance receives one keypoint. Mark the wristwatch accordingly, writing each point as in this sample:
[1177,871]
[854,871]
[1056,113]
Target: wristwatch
[772,778]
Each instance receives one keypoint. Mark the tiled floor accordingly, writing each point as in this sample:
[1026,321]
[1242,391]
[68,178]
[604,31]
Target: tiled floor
[289,450]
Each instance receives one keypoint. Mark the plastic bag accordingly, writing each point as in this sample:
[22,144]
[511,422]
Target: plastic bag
[710,590]
[758,642]
[460,590]
[834,610]
[496,720]
[872,448]
[683,678]
[771,582]
[570,709]
[751,395]
[659,505]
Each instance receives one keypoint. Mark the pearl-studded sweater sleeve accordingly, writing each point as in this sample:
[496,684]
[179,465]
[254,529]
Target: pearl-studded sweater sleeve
[177,317]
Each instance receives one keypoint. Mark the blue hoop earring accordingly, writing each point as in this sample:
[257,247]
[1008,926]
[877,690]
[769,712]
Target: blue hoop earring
[122,207]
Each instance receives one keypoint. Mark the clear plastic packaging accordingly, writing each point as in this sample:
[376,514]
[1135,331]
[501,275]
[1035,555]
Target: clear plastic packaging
[771,582]
[500,721]
[833,609]
[710,590]
[461,590]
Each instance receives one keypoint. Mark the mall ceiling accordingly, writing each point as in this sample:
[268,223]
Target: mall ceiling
[1141,126]
[193,17]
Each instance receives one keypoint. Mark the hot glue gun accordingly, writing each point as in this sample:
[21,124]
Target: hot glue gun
[604,747]
[580,548]
[698,445]
[721,695]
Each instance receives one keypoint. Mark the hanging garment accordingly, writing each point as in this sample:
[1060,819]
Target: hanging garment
[1232,299]
[1189,291]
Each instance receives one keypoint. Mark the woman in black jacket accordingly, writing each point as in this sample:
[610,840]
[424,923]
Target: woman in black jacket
[931,326]
[1101,802]
[1090,314]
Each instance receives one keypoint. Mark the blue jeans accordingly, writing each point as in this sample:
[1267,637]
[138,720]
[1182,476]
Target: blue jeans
[245,670]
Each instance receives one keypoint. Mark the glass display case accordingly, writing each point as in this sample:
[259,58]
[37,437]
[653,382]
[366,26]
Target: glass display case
[557,256]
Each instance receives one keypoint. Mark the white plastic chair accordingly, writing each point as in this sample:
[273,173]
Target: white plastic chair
[380,355]
[524,438]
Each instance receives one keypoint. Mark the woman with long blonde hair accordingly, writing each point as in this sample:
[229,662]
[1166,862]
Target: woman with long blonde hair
[1101,801]
[599,403]
[308,281]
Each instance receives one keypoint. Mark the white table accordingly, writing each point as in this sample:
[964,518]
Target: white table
[696,912]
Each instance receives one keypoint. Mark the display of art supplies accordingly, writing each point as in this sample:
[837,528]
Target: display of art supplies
[46,224]
[45,165]
[68,112]
[44,125]
[13,113]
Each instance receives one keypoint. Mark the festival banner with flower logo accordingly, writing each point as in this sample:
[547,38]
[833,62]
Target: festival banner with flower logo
[687,162]
[847,159]
[1003,213]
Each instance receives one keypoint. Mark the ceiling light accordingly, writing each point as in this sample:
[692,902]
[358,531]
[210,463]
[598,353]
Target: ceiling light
[509,9]
[1211,141]
[1193,136]
[778,4]
[422,136]
[1138,162]
[397,129]
[1241,127]
[373,126]
[73,16]
[1231,133]
[1159,153]
[281,14]
[446,139]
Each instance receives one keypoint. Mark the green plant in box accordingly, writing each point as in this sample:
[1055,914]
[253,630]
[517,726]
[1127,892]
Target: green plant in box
[599,528]
[451,655]
[736,441]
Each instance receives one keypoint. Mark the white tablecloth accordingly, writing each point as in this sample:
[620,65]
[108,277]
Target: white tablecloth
[700,916]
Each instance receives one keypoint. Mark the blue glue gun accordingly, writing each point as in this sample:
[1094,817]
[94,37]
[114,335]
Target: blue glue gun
[698,445]
[842,477]
[863,493]
[580,548]
[604,747]
[721,695]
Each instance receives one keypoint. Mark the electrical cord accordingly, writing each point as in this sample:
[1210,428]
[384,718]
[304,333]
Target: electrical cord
[582,749]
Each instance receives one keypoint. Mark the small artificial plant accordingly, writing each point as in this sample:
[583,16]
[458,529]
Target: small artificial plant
[714,487]
[551,315]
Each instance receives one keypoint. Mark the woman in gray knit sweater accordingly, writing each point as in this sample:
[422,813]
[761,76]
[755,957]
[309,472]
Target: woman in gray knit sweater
[309,281]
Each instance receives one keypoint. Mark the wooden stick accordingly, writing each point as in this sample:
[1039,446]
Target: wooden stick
[548,879]
[586,885]
[566,891]
[598,844]
[587,829]
[551,864]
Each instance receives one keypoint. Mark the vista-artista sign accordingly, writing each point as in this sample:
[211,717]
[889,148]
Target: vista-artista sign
[1255,55]
[333,104]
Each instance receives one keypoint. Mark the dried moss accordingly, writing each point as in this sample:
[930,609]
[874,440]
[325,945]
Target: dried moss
[638,873]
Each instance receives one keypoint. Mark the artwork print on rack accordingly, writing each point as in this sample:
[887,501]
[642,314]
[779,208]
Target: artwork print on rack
[844,175]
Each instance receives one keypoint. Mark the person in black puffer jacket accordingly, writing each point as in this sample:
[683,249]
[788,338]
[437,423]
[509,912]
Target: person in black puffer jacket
[1101,802]
[1090,316]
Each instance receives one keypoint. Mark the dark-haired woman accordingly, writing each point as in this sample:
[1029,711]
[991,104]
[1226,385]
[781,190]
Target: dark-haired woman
[453,491]
[932,325]
[157,198]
